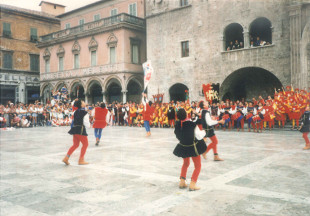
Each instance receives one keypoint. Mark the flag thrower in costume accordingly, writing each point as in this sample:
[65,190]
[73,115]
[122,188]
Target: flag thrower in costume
[148,70]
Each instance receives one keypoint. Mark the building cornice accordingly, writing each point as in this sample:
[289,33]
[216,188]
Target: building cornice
[29,15]
[168,11]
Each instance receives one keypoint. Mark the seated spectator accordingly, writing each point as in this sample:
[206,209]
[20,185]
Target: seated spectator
[262,43]
[252,44]
[24,122]
[257,41]
[15,121]
[241,45]
[2,122]
[230,45]
[237,46]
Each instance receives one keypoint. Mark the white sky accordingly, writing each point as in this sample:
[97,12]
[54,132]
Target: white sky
[34,4]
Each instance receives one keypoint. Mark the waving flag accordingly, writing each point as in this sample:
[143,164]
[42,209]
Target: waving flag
[148,70]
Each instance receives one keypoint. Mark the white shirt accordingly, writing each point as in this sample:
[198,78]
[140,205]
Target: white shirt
[86,121]
[209,120]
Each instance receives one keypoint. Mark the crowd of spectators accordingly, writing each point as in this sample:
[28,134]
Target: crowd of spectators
[254,42]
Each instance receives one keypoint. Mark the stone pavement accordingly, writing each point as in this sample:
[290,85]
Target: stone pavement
[128,174]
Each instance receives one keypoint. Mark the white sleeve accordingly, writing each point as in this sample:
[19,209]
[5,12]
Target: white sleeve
[255,111]
[93,112]
[218,112]
[107,118]
[244,111]
[263,112]
[86,121]
[209,121]
[231,111]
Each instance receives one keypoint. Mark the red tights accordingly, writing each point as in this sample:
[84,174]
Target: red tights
[76,142]
[306,138]
[197,164]
[213,144]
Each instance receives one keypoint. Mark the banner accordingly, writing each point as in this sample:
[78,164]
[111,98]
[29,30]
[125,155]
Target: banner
[148,70]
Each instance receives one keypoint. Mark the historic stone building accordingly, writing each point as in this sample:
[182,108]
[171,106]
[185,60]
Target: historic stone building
[98,53]
[19,56]
[188,42]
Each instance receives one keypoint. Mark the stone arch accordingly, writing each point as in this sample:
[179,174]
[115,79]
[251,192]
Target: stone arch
[134,89]
[77,89]
[261,27]
[59,85]
[112,40]
[106,82]
[94,91]
[177,92]
[76,48]
[113,89]
[233,32]
[46,90]
[249,82]
[93,44]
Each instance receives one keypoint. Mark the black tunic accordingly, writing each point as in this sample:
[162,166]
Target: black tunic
[171,113]
[78,126]
[209,129]
[306,122]
[188,146]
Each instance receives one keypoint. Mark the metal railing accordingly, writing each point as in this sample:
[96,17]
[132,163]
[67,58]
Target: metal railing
[105,22]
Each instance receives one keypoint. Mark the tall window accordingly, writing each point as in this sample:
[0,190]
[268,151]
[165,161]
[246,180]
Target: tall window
[67,26]
[114,12]
[61,63]
[33,34]
[185,48]
[81,21]
[8,60]
[112,55]
[183,2]
[76,61]
[7,30]
[133,9]
[34,63]
[96,17]
[47,65]
[93,58]
[135,53]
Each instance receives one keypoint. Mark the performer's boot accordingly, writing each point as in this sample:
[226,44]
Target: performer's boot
[148,134]
[182,184]
[204,155]
[82,162]
[97,141]
[307,147]
[66,160]
[217,158]
[193,187]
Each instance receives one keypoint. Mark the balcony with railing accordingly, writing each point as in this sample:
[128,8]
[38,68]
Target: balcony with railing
[122,18]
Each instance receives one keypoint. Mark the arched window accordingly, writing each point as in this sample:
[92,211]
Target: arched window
[260,32]
[233,37]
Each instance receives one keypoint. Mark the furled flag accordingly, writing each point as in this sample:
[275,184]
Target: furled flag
[148,70]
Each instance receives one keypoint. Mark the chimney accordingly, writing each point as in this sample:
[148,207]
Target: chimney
[52,8]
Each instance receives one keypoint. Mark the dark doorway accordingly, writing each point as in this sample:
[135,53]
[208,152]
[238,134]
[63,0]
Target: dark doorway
[134,92]
[114,92]
[177,92]
[248,83]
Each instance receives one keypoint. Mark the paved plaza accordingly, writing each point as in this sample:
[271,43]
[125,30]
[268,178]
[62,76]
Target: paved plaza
[129,174]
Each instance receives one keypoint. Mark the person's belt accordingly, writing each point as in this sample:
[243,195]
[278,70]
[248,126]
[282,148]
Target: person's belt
[194,144]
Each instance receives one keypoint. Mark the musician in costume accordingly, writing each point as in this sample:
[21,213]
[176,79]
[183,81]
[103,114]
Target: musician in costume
[78,130]
[305,127]
[189,147]
[249,116]
[101,116]
[259,117]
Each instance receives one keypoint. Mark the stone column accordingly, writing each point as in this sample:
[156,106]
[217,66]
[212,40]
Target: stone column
[22,92]
[86,97]
[246,38]
[103,96]
[295,38]
[124,96]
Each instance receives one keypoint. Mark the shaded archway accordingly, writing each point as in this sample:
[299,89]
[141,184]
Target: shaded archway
[95,92]
[177,92]
[134,90]
[46,93]
[232,33]
[114,91]
[77,91]
[248,83]
[261,27]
